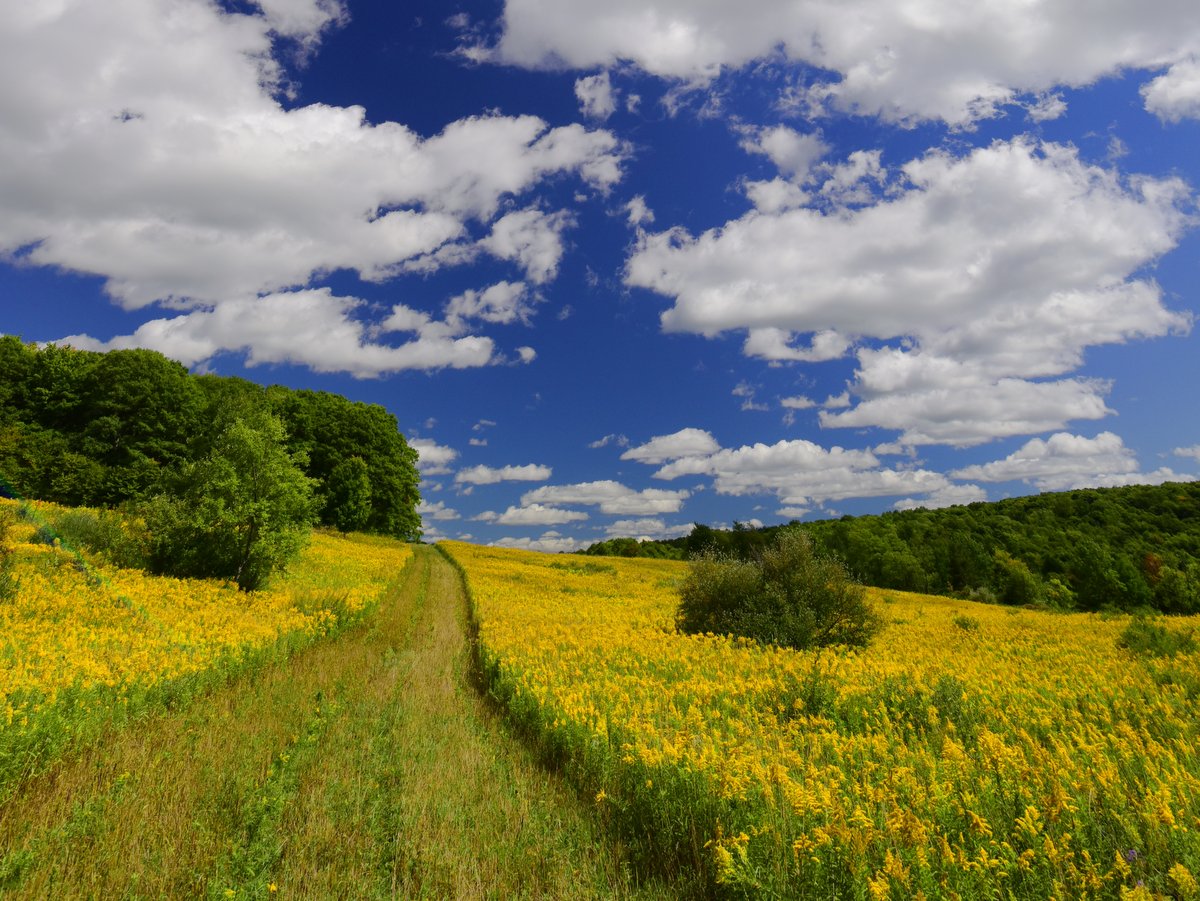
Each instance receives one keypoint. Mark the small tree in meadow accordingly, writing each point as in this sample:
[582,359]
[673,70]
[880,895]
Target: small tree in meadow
[789,595]
[240,513]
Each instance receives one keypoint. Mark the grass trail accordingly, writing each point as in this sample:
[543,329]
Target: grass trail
[363,767]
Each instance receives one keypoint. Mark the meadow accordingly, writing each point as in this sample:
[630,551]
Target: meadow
[970,751]
[86,645]
[322,738]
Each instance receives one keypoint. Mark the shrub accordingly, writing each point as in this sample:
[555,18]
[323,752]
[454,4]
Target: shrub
[103,532]
[791,595]
[1145,636]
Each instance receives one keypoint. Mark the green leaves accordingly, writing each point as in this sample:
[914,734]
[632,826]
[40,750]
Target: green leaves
[240,513]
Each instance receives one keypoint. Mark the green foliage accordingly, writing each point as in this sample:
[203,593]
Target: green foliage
[348,496]
[791,596]
[118,539]
[1121,548]
[240,513]
[7,582]
[967,623]
[1150,638]
[1013,582]
[89,429]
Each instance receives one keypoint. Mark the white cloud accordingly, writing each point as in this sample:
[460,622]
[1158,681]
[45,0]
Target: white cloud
[647,529]
[550,542]
[502,303]
[312,328]
[432,458]
[538,515]
[792,152]
[1193,452]
[639,214]
[1065,461]
[145,143]
[487,475]
[793,512]
[526,354]
[437,511]
[532,239]
[619,440]
[775,344]
[597,99]
[800,473]
[903,60]
[1175,95]
[950,496]
[1015,257]
[611,497]
[684,443]
[799,402]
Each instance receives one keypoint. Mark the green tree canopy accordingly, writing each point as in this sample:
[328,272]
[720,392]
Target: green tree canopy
[240,513]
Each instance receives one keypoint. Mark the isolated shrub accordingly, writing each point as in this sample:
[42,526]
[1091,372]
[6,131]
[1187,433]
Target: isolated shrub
[241,513]
[790,595]
[105,532]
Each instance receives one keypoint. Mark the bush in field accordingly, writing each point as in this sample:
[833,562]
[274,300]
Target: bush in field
[790,595]
[240,513]
[118,539]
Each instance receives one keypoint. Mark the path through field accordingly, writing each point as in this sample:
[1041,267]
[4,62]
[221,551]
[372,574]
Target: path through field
[365,766]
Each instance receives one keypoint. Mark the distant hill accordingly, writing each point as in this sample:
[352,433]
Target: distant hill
[1089,549]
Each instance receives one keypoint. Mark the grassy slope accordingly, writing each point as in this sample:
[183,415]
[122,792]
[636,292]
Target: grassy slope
[364,766]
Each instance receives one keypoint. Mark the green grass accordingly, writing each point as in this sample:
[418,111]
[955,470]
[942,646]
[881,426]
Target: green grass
[363,766]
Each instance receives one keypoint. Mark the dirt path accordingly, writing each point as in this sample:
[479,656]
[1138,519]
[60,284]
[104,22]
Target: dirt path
[364,767]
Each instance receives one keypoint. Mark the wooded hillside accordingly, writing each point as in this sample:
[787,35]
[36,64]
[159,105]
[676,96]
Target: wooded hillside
[1137,546]
[100,429]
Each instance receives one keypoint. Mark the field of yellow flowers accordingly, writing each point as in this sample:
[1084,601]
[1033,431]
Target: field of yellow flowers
[84,644]
[970,752]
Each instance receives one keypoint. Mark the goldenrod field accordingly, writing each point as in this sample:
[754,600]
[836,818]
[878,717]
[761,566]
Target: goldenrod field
[970,752]
[84,644]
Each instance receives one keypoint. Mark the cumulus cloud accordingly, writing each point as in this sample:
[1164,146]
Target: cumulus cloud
[793,153]
[1175,95]
[503,303]
[903,61]
[800,472]
[950,496]
[1193,452]
[597,99]
[684,443]
[173,177]
[432,458]
[437,511]
[550,542]
[537,515]
[987,271]
[648,529]
[638,212]
[488,475]
[532,239]
[1064,461]
[610,496]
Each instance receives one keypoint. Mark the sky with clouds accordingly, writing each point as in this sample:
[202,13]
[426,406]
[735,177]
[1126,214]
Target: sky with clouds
[618,268]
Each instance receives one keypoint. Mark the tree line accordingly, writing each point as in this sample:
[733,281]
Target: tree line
[197,455]
[1090,549]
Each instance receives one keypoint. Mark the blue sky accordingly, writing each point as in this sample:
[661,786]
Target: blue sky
[621,267]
